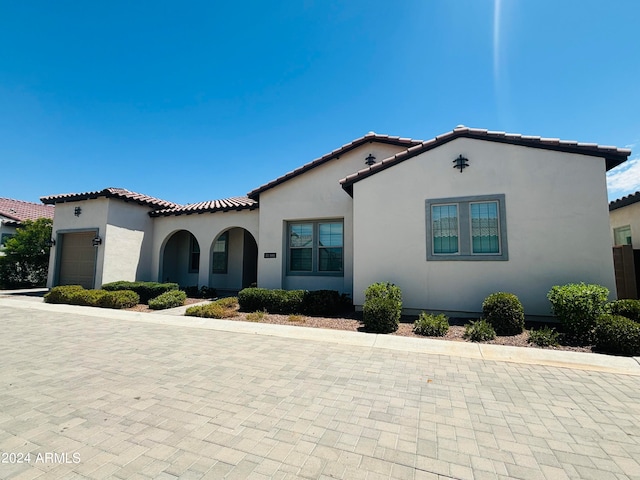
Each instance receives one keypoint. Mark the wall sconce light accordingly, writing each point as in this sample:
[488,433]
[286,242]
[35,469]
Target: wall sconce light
[77,211]
[50,243]
[96,241]
[370,160]
[461,163]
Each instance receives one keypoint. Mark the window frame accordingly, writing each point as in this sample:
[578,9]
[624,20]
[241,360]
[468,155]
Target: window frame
[465,229]
[193,243]
[618,230]
[224,236]
[315,248]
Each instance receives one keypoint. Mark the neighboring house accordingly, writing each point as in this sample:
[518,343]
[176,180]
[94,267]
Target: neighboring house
[14,212]
[624,216]
[449,220]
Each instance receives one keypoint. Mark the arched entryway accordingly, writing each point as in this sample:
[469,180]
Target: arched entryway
[180,259]
[234,260]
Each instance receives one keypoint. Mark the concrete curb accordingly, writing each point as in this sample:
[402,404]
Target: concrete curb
[500,353]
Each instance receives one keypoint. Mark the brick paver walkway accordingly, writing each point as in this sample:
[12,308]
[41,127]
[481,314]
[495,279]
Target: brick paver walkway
[124,399]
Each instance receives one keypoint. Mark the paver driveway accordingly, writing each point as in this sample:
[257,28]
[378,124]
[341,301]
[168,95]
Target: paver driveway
[123,399]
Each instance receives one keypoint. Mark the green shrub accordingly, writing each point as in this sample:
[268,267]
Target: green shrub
[61,294]
[382,308]
[324,303]
[431,325]
[119,299]
[504,312]
[479,331]
[627,308]
[228,302]
[223,308]
[146,290]
[617,334]
[88,298]
[273,301]
[202,292]
[170,299]
[578,306]
[544,337]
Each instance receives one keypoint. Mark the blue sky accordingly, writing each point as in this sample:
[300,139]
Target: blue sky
[193,101]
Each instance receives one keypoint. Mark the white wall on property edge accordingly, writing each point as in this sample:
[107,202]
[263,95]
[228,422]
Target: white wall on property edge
[629,215]
[556,215]
[205,227]
[94,214]
[314,195]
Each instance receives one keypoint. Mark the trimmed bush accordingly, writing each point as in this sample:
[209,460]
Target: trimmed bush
[382,308]
[544,337]
[202,292]
[223,308]
[273,301]
[617,334]
[627,308]
[324,303]
[146,290]
[119,299]
[62,294]
[170,299]
[431,325]
[479,331]
[578,306]
[88,298]
[504,312]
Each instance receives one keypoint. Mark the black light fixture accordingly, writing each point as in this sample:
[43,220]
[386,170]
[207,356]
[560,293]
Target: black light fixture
[461,163]
[96,241]
[370,160]
[50,243]
[77,211]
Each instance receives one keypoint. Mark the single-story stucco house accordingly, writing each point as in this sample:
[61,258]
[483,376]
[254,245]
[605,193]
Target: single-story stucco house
[14,212]
[449,220]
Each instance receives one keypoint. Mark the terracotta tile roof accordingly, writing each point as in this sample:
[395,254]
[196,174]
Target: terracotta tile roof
[224,205]
[18,211]
[121,193]
[624,201]
[369,137]
[614,156]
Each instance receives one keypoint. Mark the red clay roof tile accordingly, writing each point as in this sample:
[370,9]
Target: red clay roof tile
[18,211]
[111,192]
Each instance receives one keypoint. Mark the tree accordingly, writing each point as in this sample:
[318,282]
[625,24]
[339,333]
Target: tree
[26,256]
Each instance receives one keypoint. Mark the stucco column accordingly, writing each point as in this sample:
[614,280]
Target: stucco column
[205,262]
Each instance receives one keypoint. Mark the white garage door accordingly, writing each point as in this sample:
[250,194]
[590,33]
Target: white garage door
[77,259]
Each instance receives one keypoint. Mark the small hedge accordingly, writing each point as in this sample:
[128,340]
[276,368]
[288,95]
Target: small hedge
[479,331]
[544,337]
[273,301]
[627,308]
[504,312]
[202,292]
[170,299]
[223,308]
[431,325]
[617,334]
[578,306]
[382,308]
[146,290]
[76,295]
[325,303]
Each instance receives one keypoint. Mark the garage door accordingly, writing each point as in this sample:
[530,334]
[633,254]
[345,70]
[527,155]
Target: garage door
[77,259]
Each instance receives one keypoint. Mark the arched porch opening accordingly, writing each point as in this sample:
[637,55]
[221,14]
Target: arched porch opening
[234,260]
[180,259]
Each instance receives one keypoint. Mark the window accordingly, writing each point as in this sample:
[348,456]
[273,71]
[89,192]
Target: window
[220,253]
[315,248]
[194,256]
[622,235]
[467,228]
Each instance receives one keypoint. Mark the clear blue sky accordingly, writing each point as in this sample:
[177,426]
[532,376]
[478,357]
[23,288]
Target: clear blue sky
[198,100]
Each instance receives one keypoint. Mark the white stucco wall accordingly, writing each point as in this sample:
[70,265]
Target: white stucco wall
[629,215]
[313,195]
[205,228]
[556,215]
[93,217]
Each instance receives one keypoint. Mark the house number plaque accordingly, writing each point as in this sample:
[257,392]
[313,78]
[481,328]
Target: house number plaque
[270,255]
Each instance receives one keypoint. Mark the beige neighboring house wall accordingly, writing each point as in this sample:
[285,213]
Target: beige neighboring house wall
[556,225]
[626,212]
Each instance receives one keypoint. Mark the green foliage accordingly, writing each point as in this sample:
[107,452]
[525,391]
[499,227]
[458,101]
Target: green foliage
[617,334]
[544,337]
[324,303]
[76,295]
[25,262]
[431,325]
[479,331]
[223,308]
[202,292]
[146,290]
[578,306]
[170,299]
[382,307]
[627,308]
[62,294]
[273,301]
[504,312]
